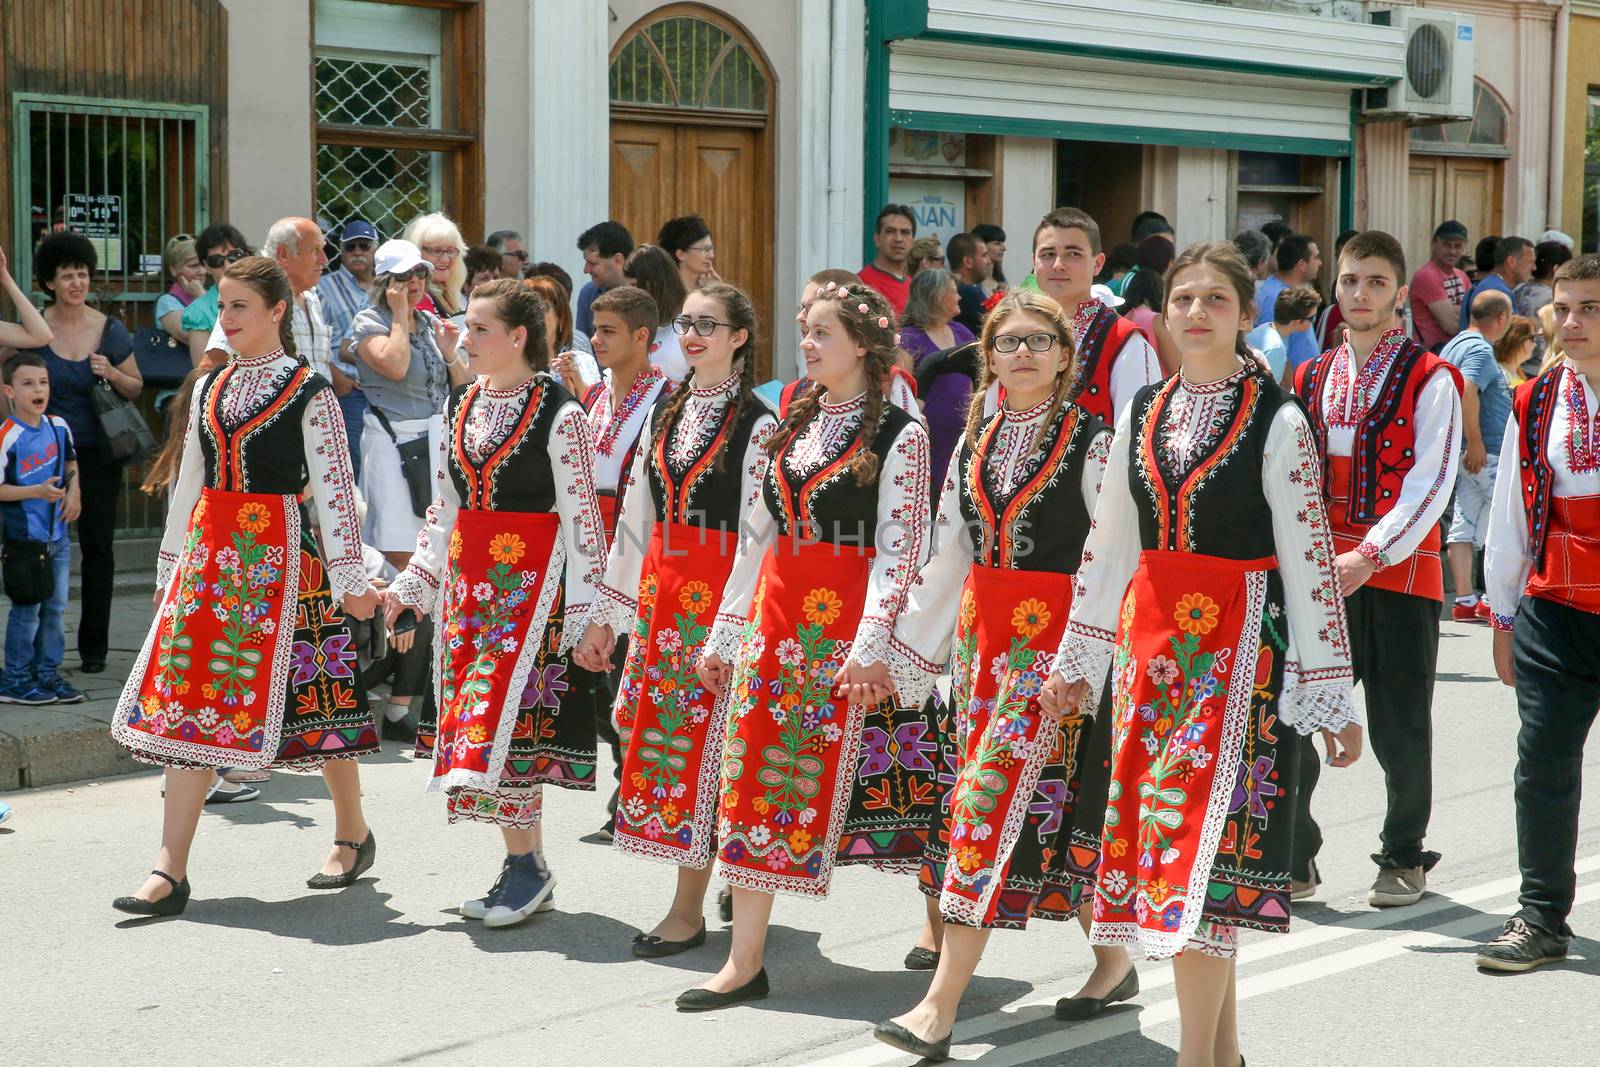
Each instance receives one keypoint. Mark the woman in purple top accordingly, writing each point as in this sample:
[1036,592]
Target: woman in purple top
[928,327]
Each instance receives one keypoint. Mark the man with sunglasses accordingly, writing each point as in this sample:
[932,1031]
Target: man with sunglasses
[513,253]
[343,292]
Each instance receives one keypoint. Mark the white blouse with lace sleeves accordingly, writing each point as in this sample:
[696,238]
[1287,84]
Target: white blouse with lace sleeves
[757,534]
[616,602]
[418,584]
[1110,556]
[583,531]
[1317,679]
[181,498]
[904,488]
[333,488]
[920,645]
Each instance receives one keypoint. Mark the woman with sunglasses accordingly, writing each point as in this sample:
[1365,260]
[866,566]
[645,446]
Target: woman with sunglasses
[217,246]
[696,481]
[1013,516]
[409,364]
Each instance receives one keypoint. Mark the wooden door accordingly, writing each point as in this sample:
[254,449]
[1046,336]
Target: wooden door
[1465,188]
[662,170]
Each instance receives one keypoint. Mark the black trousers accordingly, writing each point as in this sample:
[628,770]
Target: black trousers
[100,481]
[1394,648]
[1556,650]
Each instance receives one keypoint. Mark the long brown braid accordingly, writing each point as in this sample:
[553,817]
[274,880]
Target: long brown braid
[1040,306]
[738,309]
[869,320]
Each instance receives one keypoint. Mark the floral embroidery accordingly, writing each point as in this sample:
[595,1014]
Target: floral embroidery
[1583,448]
[822,606]
[695,597]
[1031,617]
[507,548]
[1196,614]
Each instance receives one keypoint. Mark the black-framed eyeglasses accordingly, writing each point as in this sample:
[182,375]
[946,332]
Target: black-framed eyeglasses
[217,260]
[1036,342]
[704,327]
[520,256]
[357,244]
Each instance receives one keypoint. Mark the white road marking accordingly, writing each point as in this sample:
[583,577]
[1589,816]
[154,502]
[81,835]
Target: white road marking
[1156,976]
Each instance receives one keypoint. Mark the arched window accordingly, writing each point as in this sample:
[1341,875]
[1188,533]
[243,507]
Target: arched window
[1485,134]
[688,64]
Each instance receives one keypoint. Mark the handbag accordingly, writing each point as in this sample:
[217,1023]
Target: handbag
[25,563]
[416,466]
[125,435]
[163,362]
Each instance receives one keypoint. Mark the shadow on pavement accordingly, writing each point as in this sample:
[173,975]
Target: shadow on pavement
[359,915]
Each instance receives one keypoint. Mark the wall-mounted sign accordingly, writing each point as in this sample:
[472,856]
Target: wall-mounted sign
[926,148]
[939,204]
[99,218]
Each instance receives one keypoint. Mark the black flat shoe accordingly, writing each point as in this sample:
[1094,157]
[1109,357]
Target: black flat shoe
[904,1040]
[651,947]
[171,904]
[366,852]
[708,1000]
[93,665]
[922,959]
[1077,1008]
[401,729]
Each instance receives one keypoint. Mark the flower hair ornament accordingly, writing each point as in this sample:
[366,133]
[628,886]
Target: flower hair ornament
[883,321]
[863,308]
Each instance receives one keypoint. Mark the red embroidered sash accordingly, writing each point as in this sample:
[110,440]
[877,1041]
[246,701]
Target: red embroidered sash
[211,682]
[672,728]
[1421,574]
[1570,572]
[498,585]
[1180,712]
[791,745]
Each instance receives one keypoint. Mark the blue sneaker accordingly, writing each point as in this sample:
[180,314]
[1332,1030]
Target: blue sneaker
[5,811]
[528,885]
[28,692]
[64,691]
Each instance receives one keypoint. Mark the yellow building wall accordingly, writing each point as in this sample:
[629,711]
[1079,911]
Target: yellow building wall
[1583,71]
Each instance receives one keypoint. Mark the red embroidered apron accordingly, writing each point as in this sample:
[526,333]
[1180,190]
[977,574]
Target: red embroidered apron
[499,583]
[1007,632]
[671,726]
[210,685]
[792,746]
[1181,710]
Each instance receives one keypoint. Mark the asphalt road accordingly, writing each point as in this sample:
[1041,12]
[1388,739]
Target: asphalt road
[263,971]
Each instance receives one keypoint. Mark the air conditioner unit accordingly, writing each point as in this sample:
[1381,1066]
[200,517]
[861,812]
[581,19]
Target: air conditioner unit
[1438,76]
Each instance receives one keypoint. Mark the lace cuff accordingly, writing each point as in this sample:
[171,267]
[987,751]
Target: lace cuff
[416,590]
[613,609]
[166,567]
[871,644]
[577,619]
[914,677]
[725,639]
[1324,700]
[1086,657]
[347,578]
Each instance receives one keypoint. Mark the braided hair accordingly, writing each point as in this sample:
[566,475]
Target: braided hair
[869,320]
[738,309]
[1040,306]
[271,284]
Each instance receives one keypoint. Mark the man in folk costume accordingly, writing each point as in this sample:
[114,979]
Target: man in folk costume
[1542,570]
[624,327]
[1386,414]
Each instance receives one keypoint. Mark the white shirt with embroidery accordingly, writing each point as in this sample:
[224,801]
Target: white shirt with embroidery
[1347,395]
[614,431]
[1318,680]
[926,628]
[255,383]
[617,603]
[1573,453]
[581,548]
[901,537]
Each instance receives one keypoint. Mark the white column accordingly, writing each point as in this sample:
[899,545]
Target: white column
[1527,196]
[569,134]
[1027,189]
[848,133]
[506,74]
[270,134]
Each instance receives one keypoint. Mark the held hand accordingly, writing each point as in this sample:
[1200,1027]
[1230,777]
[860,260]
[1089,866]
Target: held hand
[1475,457]
[1059,697]
[363,605]
[1344,747]
[599,638]
[100,365]
[1354,570]
[50,489]
[1504,665]
[392,607]
[867,686]
[713,673]
[396,296]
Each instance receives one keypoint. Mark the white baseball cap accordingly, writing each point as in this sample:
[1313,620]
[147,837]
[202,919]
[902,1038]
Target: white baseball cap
[398,257]
[1104,294]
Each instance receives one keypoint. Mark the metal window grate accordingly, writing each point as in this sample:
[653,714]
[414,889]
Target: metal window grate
[386,186]
[390,93]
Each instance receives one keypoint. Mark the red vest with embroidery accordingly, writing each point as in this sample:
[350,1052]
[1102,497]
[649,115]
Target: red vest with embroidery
[1099,345]
[1535,404]
[1563,532]
[1363,487]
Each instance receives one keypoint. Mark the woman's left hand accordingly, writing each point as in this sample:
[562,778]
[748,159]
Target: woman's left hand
[868,685]
[363,605]
[100,365]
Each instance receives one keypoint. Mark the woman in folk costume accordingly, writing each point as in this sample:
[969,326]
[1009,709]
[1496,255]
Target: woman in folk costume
[249,662]
[1208,591]
[802,636]
[509,553]
[695,479]
[996,591]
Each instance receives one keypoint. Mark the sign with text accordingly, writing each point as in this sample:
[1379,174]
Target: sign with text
[940,204]
[99,218]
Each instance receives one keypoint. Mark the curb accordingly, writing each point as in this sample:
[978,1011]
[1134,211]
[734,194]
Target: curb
[41,752]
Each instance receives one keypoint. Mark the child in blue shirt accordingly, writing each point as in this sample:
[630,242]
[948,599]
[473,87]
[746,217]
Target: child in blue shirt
[38,497]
